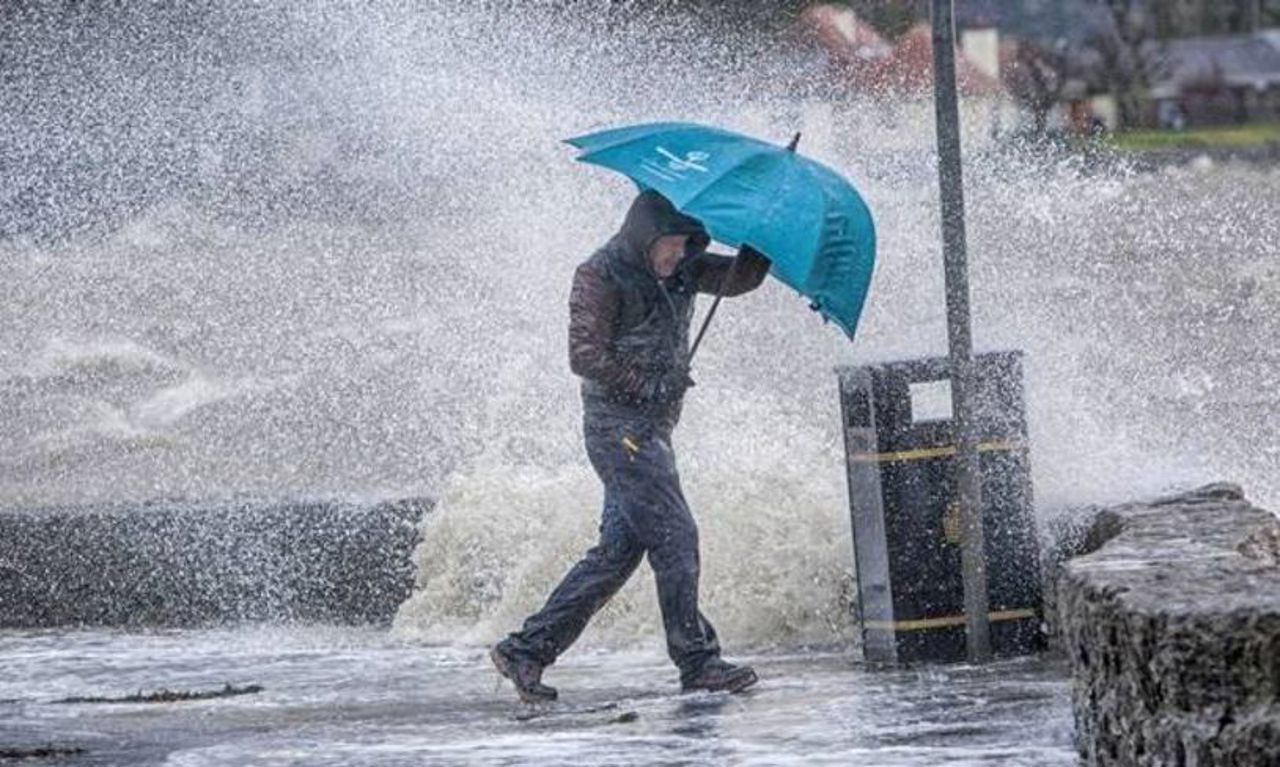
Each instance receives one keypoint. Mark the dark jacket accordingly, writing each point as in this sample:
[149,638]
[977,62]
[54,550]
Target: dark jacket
[626,325]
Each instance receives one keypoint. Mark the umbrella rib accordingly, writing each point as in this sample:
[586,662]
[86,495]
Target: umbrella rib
[649,136]
[641,137]
[721,176]
[786,183]
[634,133]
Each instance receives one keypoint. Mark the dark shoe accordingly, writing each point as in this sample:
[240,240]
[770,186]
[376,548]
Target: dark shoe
[718,676]
[524,673]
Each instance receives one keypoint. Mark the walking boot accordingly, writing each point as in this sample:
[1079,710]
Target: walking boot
[717,675]
[524,673]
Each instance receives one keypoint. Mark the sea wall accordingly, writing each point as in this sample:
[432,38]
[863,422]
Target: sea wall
[178,563]
[1172,630]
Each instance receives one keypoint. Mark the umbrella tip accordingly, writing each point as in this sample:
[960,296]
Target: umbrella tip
[794,141]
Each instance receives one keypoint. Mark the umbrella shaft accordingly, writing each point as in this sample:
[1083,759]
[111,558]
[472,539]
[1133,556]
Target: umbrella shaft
[703,330]
[728,275]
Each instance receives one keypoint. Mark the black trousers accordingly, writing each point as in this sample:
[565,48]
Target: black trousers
[645,513]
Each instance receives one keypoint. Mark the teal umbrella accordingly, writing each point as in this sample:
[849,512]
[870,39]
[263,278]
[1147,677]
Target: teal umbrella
[811,223]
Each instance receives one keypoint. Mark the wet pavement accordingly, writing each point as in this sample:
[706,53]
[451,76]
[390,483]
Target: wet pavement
[340,696]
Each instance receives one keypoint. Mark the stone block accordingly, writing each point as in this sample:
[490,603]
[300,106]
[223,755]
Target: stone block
[1172,630]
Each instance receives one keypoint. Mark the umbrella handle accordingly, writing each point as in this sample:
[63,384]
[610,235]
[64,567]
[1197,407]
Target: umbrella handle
[724,280]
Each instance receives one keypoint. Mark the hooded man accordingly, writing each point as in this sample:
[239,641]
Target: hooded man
[629,316]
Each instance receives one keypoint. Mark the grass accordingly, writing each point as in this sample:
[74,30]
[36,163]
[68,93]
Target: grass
[1252,134]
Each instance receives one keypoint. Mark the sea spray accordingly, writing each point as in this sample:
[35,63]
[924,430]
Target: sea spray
[307,250]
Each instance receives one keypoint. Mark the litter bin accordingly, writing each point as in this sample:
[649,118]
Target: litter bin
[901,444]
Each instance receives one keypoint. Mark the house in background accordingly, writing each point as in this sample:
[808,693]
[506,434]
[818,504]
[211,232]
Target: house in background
[888,85]
[862,61]
[1217,80]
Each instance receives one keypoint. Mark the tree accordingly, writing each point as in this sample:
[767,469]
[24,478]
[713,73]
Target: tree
[1037,78]
[1131,58]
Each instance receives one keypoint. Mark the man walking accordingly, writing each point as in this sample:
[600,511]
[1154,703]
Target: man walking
[629,314]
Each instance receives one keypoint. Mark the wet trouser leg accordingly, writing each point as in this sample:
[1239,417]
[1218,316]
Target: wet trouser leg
[648,487]
[691,639]
[583,591]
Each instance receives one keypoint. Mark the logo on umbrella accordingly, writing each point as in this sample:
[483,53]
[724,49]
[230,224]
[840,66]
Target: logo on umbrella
[689,162]
[674,167]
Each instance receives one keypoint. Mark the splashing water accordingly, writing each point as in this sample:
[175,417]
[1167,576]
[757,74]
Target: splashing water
[325,251]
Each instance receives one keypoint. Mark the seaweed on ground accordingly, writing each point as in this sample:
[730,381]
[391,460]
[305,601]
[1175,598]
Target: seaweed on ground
[39,752]
[170,696]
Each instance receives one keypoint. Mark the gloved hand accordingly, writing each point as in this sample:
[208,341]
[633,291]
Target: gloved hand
[668,386]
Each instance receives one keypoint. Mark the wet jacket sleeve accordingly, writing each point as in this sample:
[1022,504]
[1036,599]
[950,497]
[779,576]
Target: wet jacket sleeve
[593,308]
[751,271]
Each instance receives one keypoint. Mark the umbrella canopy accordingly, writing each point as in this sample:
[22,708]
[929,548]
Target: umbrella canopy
[811,223]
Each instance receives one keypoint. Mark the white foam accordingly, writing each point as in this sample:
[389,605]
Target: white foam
[360,288]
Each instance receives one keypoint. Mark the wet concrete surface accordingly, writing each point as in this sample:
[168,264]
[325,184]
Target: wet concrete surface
[342,696]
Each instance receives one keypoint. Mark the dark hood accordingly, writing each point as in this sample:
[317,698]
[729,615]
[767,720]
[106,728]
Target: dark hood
[651,216]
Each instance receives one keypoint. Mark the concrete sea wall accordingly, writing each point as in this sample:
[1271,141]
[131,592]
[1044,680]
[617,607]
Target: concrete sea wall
[1172,629]
[170,563]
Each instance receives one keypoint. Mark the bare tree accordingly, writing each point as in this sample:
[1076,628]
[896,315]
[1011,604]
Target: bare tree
[1037,78]
[1130,56]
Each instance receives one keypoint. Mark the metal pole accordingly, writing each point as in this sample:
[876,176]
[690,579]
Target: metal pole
[968,487]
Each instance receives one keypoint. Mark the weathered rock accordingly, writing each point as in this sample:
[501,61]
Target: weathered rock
[1172,630]
[1065,535]
[166,563]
